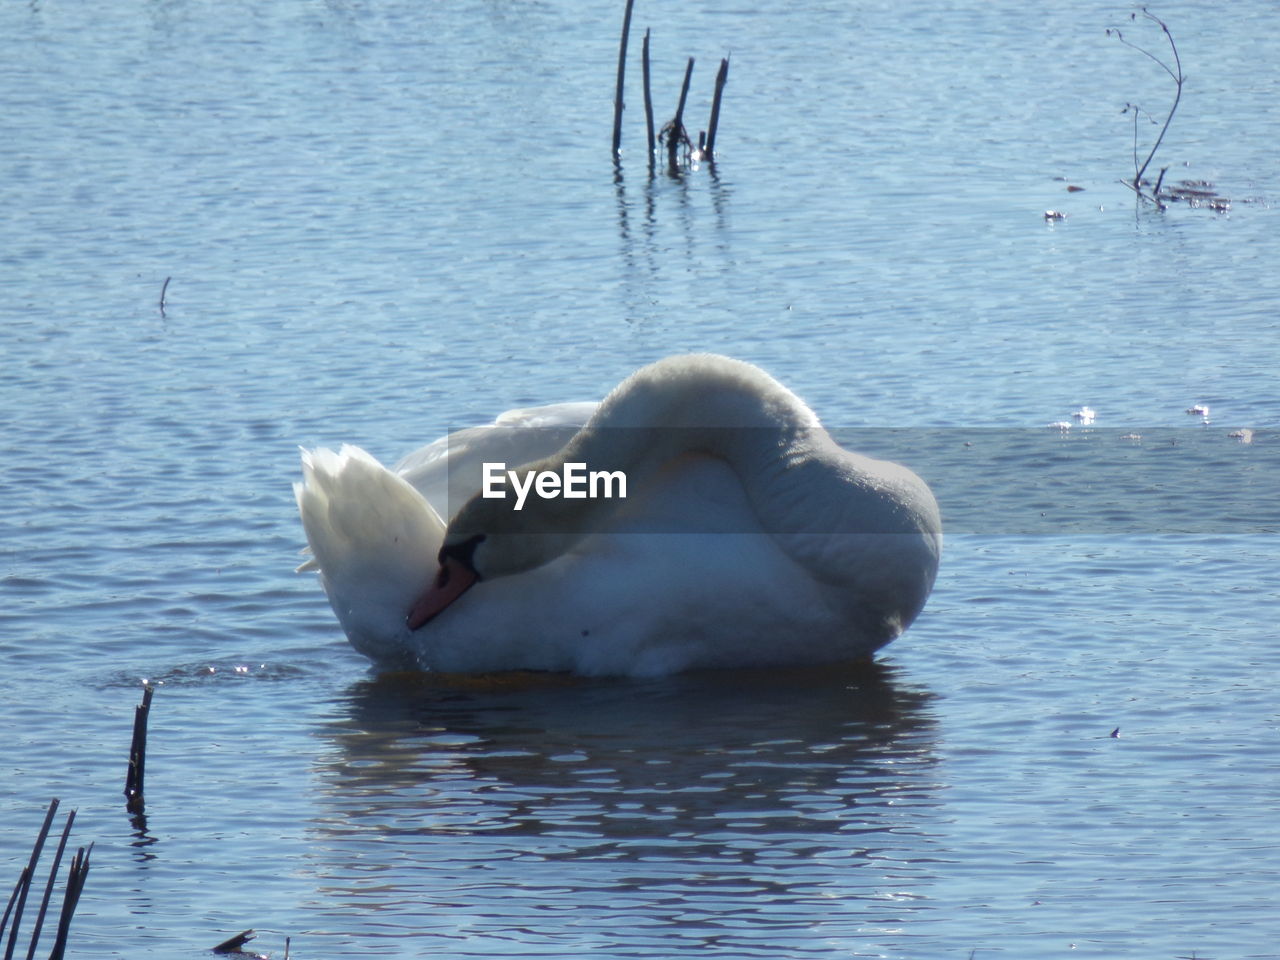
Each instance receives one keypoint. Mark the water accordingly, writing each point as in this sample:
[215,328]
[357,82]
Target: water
[382,220]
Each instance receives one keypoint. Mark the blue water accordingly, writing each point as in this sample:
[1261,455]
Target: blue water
[379,221]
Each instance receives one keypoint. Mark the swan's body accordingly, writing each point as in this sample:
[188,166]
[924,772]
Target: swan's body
[747,537]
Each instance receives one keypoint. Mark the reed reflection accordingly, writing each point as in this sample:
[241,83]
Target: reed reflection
[693,218]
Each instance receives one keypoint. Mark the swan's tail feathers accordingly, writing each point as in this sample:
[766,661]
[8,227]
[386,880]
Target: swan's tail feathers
[373,537]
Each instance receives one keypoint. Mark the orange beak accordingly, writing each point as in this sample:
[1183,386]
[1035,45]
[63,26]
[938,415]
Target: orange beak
[452,580]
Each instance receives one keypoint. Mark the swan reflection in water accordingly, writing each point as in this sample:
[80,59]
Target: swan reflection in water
[759,801]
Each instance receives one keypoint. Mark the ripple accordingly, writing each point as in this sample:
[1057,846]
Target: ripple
[207,672]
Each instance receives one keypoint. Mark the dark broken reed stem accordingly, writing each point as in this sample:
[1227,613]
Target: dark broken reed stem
[24,879]
[684,95]
[676,133]
[18,900]
[76,875]
[648,99]
[722,76]
[235,944]
[134,779]
[163,290]
[13,897]
[75,883]
[622,71]
[48,889]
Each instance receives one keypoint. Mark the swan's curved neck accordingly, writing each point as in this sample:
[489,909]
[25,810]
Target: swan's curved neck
[711,405]
[796,480]
[705,406]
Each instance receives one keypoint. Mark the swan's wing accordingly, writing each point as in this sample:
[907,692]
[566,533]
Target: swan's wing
[448,471]
[553,415]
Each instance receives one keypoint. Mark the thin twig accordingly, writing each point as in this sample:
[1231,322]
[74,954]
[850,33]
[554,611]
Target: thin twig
[1175,73]
[163,290]
[1136,112]
[1175,76]
[1177,98]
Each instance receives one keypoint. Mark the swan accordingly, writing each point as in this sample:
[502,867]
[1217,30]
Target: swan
[745,536]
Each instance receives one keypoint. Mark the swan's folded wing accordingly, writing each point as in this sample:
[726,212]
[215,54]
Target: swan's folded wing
[552,415]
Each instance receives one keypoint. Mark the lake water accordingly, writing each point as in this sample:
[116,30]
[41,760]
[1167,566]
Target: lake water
[382,220]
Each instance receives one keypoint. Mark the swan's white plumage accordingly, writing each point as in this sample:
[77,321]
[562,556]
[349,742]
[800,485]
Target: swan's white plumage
[630,596]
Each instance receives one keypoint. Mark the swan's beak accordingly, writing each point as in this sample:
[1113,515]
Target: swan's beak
[452,580]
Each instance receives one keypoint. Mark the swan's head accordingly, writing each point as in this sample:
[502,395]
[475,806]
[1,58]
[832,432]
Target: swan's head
[487,539]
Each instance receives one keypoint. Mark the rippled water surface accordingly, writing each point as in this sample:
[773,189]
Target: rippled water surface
[379,221]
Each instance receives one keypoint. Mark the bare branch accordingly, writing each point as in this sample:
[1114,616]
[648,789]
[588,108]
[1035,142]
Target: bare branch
[1175,73]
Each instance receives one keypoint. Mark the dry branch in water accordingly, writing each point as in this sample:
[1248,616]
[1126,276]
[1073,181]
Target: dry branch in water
[1176,75]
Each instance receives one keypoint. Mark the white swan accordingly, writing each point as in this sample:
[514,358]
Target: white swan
[747,536]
